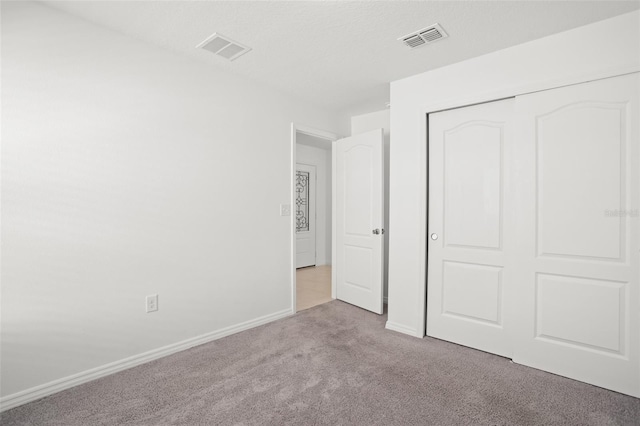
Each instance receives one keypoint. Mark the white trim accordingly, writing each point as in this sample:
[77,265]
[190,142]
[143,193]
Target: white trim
[37,392]
[334,275]
[292,223]
[331,137]
[491,95]
[524,89]
[310,131]
[421,330]
[403,329]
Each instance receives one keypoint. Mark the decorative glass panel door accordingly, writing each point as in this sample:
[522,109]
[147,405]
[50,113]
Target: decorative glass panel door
[305,211]
[302,201]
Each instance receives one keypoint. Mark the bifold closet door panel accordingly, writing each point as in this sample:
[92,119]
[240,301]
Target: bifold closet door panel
[577,199]
[471,241]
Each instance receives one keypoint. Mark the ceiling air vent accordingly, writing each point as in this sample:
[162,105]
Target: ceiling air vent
[424,36]
[223,46]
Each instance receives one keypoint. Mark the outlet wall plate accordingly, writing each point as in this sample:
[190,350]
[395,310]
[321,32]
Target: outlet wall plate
[285,209]
[152,303]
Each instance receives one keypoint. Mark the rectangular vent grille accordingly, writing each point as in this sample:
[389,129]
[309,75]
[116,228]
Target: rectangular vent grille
[424,36]
[224,47]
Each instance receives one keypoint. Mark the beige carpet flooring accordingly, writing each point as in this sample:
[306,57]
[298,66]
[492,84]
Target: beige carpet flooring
[313,286]
[333,364]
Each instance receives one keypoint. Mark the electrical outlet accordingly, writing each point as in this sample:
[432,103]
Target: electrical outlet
[152,303]
[285,209]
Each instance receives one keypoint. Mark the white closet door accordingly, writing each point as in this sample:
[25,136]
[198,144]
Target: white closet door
[578,305]
[305,209]
[470,237]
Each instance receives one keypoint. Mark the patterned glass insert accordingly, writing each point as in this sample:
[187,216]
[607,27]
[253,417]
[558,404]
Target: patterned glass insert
[302,201]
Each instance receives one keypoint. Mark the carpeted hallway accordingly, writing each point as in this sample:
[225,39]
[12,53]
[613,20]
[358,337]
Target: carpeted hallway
[331,364]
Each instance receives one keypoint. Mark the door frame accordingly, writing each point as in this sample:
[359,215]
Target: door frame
[332,138]
[452,103]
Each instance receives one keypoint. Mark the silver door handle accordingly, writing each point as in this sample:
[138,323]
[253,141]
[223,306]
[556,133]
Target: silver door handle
[434,236]
[376,231]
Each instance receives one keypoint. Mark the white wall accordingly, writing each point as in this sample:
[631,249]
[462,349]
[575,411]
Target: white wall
[364,123]
[598,50]
[128,170]
[321,158]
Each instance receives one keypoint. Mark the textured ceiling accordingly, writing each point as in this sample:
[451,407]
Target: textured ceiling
[340,54]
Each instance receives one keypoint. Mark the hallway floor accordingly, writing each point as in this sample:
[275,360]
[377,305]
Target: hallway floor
[313,286]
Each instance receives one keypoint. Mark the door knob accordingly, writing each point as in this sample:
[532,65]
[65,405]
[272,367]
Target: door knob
[434,236]
[376,231]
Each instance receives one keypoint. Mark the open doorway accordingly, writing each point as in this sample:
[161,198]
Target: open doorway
[311,212]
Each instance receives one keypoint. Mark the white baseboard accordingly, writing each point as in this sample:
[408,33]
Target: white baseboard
[37,392]
[402,329]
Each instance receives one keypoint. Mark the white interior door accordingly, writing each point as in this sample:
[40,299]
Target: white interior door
[305,211]
[578,264]
[536,206]
[469,265]
[359,218]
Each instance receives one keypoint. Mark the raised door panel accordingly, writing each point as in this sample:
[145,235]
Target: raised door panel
[473,185]
[358,262]
[357,167]
[472,292]
[581,154]
[577,324]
